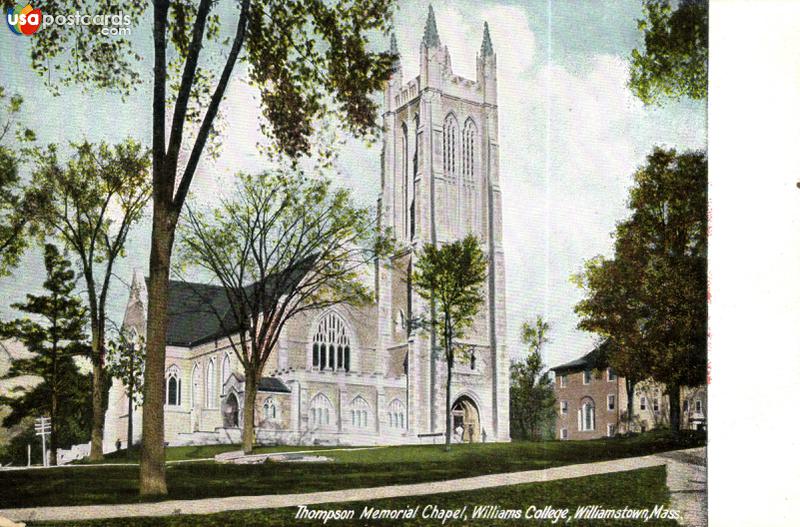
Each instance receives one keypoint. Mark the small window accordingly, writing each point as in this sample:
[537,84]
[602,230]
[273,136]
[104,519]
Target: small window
[657,403]
[643,403]
[698,406]
[270,410]
[612,375]
[611,429]
[173,386]
[686,405]
[563,433]
[612,402]
[587,376]
[564,407]
[563,378]
[472,360]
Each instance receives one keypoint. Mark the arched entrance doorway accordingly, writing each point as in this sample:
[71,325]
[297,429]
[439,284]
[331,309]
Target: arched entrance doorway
[230,412]
[466,425]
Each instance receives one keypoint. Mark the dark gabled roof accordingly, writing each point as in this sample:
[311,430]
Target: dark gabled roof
[199,313]
[595,359]
[272,384]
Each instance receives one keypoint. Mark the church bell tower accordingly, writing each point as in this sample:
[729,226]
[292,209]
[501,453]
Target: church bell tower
[439,183]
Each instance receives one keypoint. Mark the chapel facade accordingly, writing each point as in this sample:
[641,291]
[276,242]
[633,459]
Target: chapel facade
[362,374]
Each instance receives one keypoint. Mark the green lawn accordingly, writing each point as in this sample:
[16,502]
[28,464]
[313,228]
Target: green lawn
[188,453]
[365,468]
[636,489]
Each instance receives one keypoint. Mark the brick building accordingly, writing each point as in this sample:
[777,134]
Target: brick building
[592,401]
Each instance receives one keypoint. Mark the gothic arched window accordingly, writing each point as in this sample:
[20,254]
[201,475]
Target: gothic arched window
[173,386]
[211,398]
[397,414]
[468,151]
[320,411]
[450,145]
[331,347]
[270,409]
[359,412]
[404,178]
[226,371]
[196,380]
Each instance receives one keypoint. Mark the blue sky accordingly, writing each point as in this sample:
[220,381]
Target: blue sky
[571,136]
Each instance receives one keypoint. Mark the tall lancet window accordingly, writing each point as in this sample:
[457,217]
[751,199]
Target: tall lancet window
[450,146]
[414,171]
[331,347]
[469,203]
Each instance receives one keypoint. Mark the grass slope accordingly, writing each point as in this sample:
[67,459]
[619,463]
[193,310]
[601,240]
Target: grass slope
[636,489]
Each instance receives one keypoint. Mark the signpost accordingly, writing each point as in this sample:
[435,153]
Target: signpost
[43,428]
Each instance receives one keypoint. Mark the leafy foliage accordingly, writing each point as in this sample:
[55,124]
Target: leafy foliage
[650,299]
[126,363]
[451,278]
[16,201]
[284,244]
[95,198]
[674,62]
[55,339]
[531,392]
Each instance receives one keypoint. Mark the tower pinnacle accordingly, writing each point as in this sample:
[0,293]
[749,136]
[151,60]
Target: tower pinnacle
[431,38]
[486,45]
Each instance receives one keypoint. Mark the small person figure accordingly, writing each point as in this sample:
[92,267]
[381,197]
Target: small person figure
[459,433]
[483,435]
[119,444]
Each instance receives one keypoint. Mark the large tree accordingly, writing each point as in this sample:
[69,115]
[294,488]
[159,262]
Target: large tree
[531,392]
[651,298]
[674,61]
[282,245]
[16,201]
[451,278]
[307,58]
[95,199]
[55,337]
[614,309]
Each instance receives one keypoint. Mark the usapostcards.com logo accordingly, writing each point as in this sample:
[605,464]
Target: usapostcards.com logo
[25,20]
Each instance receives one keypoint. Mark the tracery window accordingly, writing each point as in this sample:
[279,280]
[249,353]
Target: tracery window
[450,146]
[359,412]
[173,386]
[468,151]
[397,414]
[320,411]
[331,347]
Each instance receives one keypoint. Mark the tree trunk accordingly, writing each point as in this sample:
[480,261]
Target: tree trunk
[98,413]
[630,384]
[449,356]
[250,390]
[129,449]
[53,428]
[674,392]
[152,470]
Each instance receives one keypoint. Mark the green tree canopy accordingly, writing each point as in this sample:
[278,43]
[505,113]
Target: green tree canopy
[308,60]
[55,336]
[284,244]
[674,61]
[451,278]
[95,198]
[16,201]
[531,392]
[650,299]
